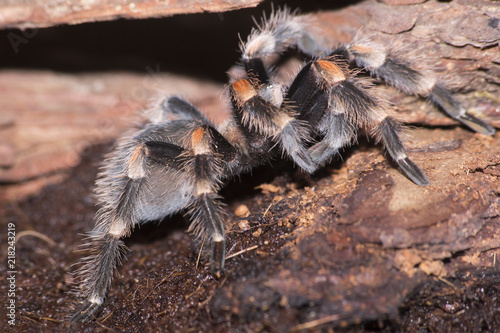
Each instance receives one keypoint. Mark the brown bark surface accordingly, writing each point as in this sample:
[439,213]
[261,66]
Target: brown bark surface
[39,13]
[356,246]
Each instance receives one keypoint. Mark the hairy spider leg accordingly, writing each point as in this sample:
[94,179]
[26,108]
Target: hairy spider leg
[97,272]
[446,100]
[278,32]
[284,29]
[328,95]
[174,108]
[388,130]
[333,105]
[105,245]
[210,151]
[399,72]
[310,98]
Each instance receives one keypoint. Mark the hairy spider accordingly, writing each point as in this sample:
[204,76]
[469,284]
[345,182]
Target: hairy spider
[177,161]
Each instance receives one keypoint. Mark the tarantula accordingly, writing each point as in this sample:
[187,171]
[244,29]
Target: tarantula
[178,160]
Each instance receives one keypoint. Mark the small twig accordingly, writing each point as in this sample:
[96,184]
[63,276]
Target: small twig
[242,251]
[199,253]
[33,317]
[161,313]
[105,327]
[33,320]
[447,282]
[315,323]
[107,317]
[197,289]
[159,283]
[163,280]
[264,215]
[135,292]
[201,304]
[37,235]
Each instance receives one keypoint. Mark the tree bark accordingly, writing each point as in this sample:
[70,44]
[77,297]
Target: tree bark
[42,14]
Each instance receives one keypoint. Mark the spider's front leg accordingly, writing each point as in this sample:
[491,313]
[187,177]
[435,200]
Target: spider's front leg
[208,151]
[336,105]
[126,196]
[400,72]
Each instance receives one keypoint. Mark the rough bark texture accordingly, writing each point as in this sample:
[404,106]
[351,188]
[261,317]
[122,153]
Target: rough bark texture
[39,13]
[356,246]
[50,118]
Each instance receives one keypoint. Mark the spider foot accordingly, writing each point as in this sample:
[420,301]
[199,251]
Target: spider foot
[86,312]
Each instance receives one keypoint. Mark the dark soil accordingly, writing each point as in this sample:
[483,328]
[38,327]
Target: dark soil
[316,253]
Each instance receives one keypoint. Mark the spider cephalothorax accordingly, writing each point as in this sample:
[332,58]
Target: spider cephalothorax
[177,161]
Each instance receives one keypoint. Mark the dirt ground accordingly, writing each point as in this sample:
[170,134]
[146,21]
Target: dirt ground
[355,247]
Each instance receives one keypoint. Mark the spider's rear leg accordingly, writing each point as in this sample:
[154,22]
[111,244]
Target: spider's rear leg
[445,99]
[399,72]
[310,94]
[278,32]
[350,105]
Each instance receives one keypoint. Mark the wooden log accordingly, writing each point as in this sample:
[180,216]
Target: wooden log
[42,14]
